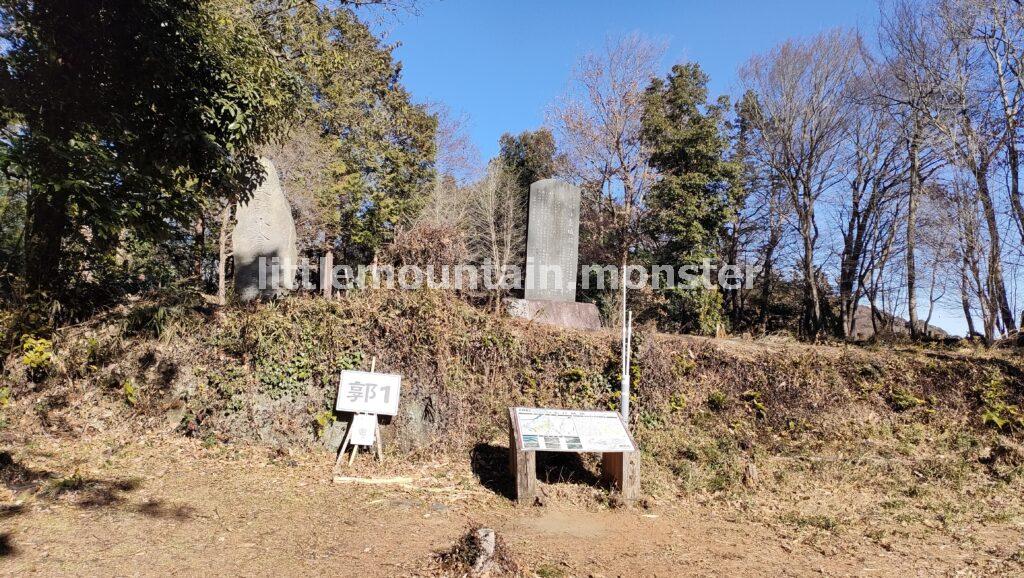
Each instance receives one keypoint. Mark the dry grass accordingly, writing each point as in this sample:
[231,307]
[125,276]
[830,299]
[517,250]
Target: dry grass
[881,447]
[165,504]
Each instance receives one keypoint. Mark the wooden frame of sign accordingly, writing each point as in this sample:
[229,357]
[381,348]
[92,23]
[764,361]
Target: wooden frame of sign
[358,395]
[355,446]
[619,469]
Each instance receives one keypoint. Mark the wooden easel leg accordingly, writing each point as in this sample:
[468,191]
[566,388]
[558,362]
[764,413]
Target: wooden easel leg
[611,469]
[352,458]
[512,449]
[344,446]
[525,475]
[380,448]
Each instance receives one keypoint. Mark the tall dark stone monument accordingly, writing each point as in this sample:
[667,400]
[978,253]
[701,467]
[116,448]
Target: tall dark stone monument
[552,259]
[552,243]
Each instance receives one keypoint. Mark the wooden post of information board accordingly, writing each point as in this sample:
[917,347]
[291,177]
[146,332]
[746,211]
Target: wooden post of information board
[522,464]
[621,470]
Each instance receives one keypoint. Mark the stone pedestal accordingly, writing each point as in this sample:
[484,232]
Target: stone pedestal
[560,313]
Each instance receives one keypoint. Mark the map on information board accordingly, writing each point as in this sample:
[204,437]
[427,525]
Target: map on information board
[566,430]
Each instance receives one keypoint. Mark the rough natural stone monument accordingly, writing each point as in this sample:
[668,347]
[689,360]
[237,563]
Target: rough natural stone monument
[552,241]
[552,259]
[264,229]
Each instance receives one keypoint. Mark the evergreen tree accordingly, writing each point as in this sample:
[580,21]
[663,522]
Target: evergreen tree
[122,119]
[530,155]
[381,148]
[690,202]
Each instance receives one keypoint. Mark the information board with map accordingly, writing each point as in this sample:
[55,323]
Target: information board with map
[565,430]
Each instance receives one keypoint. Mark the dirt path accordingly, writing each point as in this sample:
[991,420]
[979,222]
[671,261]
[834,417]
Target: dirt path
[167,506]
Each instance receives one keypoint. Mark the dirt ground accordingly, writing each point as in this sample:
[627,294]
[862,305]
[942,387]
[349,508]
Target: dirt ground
[169,506]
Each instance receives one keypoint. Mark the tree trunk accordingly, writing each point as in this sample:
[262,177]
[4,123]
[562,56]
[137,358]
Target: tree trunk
[774,239]
[849,293]
[224,253]
[915,185]
[874,315]
[1013,160]
[812,301]
[46,224]
[199,247]
[965,301]
[327,274]
[735,295]
[996,281]
[766,292]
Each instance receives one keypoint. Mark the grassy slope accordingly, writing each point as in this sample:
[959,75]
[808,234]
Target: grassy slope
[898,434]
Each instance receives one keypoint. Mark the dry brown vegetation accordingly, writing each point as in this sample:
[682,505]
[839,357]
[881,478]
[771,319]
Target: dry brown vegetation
[838,451]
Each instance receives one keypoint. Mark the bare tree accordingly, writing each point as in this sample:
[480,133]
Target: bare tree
[759,226]
[880,271]
[458,166]
[999,26]
[969,121]
[458,158]
[962,209]
[304,162]
[497,227]
[804,116]
[938,246]
[598,123]
[877,162]
[911,57]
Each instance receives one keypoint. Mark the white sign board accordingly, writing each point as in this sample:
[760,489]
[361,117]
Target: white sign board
[364,429]
[565,430]
[365,392]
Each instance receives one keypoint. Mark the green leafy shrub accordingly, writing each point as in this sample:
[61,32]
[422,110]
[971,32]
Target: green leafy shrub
[753,399]
[717,401]
[683,366]
[701,310]
[900,399]
[280,378]
[996,410]
[323,420]
[37,355]
[131,392]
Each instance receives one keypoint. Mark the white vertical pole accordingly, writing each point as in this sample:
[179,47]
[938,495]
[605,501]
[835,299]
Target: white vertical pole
[624,359]
[627,345]
[623,281]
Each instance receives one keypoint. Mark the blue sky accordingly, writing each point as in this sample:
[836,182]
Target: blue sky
[502,63]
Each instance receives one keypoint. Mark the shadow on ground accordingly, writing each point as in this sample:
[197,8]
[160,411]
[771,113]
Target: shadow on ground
[80,491]
[18,477]
[91,492]
[7,549]
[490,465]
[161,509]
